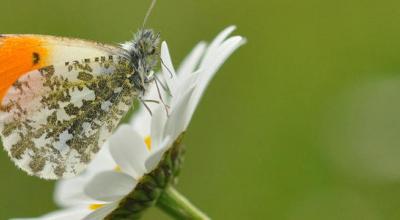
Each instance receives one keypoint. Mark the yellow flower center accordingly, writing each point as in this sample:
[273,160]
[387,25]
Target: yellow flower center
[117,169]
[147,141]
[95,206]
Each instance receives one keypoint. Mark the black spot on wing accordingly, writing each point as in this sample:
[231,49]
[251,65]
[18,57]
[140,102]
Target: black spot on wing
[35,58]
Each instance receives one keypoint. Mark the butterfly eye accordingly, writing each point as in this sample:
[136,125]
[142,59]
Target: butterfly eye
[152,51]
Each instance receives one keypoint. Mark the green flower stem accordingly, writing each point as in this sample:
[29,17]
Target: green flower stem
[177,206]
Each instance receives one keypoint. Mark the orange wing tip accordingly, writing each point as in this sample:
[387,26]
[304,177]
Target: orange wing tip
[20,55]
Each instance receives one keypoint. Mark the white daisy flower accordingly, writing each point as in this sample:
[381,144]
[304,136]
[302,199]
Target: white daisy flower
[141,159]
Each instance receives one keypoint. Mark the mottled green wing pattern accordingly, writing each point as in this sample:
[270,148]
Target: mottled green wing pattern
[55,119]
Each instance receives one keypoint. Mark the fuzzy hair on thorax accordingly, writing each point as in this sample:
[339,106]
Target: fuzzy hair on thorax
[143,51]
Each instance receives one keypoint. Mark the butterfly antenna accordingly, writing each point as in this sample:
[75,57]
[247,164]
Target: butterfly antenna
[153,3]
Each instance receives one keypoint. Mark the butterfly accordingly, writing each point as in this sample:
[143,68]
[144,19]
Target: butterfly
[61,98]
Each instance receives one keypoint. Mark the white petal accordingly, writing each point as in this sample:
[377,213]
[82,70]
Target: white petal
[155,157]
[207,73]
[63,214]
[221,54]
[103,160]
[129,151]
[102,212]
[218,58]
[168,68]
[110,186]
[178,120]
[190,63]
[140,121]
[185,83]
[215,44]
[69,192]
[158,123]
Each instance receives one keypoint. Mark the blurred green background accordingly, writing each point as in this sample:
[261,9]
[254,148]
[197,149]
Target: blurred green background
[300,123]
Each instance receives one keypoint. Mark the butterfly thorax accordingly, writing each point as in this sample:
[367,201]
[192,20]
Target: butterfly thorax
[143,52]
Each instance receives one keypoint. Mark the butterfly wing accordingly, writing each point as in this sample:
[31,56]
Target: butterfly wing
[56,115]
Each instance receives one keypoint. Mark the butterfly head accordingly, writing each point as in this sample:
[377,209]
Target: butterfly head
[144,53]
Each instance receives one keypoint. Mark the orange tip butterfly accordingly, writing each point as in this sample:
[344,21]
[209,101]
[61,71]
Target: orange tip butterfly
[61,98]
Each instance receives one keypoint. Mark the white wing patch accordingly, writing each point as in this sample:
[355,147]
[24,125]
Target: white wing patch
[53,120]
